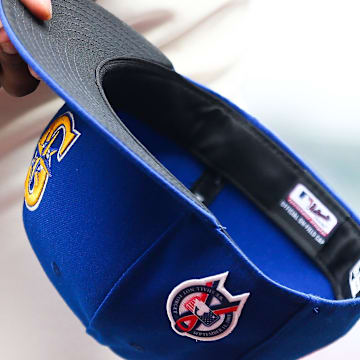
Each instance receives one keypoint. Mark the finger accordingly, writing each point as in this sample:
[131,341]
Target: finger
[10,49]
[42,9]
[3,36]
[33,73]
[15,76]
[5,43]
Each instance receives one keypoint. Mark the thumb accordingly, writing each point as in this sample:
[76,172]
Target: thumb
[42,9]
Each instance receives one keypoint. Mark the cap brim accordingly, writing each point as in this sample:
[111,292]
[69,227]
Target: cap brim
[66,53]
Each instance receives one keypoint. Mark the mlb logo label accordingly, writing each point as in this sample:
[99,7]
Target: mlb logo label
[313,206]
[312,209]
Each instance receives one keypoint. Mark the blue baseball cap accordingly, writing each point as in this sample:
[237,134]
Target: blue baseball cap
[173,224]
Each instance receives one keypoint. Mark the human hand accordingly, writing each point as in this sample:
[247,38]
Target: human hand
[16,77]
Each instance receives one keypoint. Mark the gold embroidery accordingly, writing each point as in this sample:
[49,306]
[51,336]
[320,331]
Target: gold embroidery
[40,168]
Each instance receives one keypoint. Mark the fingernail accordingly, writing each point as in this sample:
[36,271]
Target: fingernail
[8,48]
[48,7]
[34,74]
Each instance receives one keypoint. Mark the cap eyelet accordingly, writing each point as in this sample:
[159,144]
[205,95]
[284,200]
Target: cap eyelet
[55,268]
[137,347]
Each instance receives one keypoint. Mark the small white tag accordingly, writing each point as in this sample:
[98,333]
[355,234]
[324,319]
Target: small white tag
[354,280]
[312,209]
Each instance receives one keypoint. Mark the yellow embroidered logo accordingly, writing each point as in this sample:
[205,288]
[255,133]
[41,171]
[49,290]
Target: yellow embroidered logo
[40,168]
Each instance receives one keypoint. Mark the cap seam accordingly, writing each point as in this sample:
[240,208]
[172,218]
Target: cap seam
[170,228]
[219,232]
[256,348]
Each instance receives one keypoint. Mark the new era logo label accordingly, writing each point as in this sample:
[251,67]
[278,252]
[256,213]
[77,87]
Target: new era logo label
[354,280]
[202,309]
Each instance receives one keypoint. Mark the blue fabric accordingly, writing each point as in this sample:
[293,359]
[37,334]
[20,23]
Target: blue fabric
[133,315]
[177,160]
[318,324]
[97,215]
